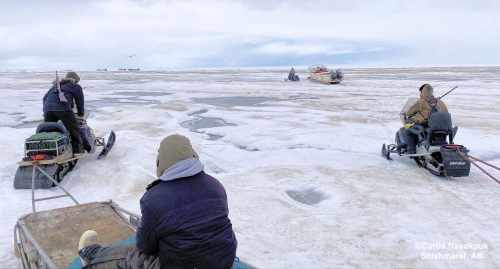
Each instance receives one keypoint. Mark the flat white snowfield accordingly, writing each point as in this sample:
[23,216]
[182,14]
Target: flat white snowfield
[306,183]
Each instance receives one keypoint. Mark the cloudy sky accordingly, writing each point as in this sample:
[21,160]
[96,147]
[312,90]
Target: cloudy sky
[90,34]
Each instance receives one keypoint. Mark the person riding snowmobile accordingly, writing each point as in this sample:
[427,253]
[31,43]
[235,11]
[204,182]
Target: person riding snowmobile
[54,109]
[420,113]
[292,76]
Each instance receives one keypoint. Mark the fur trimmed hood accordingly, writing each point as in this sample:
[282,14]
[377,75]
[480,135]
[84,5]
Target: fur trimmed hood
[426,92]
[64,80]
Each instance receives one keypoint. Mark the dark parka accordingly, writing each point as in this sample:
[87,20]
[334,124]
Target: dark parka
[185,222]
[73,93]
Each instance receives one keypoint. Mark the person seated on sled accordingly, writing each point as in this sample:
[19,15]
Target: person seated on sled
[184,222]
[54,109]
[420,112]
[291,75]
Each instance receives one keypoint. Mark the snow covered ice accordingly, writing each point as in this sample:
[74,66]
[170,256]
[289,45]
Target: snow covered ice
[301,163]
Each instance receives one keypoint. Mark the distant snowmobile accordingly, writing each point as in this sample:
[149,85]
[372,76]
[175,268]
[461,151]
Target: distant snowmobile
[435,149]
[49,151]
[293,78]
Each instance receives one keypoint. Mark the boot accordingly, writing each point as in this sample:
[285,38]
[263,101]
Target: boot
[78,152]
[88,238]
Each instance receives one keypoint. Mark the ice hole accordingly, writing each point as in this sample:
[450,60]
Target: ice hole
[308,197]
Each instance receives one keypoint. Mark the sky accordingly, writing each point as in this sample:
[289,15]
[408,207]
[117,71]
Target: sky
[300,161]
[236,33]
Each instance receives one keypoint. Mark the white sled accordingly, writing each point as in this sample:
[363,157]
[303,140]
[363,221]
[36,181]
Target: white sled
[319,73]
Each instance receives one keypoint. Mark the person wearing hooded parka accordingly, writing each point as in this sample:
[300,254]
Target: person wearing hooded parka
[421,112]
[184,221]
[54,109]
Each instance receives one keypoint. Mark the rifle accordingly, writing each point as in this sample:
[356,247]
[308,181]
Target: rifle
[62,98]
[447,92]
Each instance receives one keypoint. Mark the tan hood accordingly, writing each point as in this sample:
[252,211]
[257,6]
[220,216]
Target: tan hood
[173,149]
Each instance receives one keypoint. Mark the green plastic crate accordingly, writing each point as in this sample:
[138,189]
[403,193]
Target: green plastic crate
[52,143]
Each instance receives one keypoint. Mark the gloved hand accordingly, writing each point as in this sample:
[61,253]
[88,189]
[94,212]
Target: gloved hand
[79,117]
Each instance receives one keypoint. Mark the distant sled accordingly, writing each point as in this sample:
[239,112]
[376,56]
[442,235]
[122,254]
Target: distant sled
[40,245]
[319,73]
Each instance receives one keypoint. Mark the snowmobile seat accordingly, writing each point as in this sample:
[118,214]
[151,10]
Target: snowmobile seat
[418,130]
[440,128]
[47,127]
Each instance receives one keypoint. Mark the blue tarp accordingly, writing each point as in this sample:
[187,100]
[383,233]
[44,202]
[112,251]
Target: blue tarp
[77,263]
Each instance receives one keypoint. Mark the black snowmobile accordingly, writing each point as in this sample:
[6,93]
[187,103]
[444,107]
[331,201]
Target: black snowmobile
[292,78]
[435,147]
[48,154]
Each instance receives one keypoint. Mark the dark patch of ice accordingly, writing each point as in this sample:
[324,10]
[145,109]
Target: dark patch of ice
[232,101]
[235,101]
[205,122]
[143,94]
[106,102]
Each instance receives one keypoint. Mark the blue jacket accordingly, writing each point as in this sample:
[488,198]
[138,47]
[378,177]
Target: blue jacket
[185,220]
[72,91]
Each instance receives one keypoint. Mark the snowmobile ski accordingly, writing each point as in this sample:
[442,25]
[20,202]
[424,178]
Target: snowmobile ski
[109,145]
[386,153]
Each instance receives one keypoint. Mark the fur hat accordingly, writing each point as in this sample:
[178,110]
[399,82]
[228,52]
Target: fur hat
[173,149]
[426,90]
[425,86]
[73,75]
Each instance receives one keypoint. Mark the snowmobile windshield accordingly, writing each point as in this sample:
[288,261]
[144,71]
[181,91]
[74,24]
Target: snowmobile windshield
[407,106]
